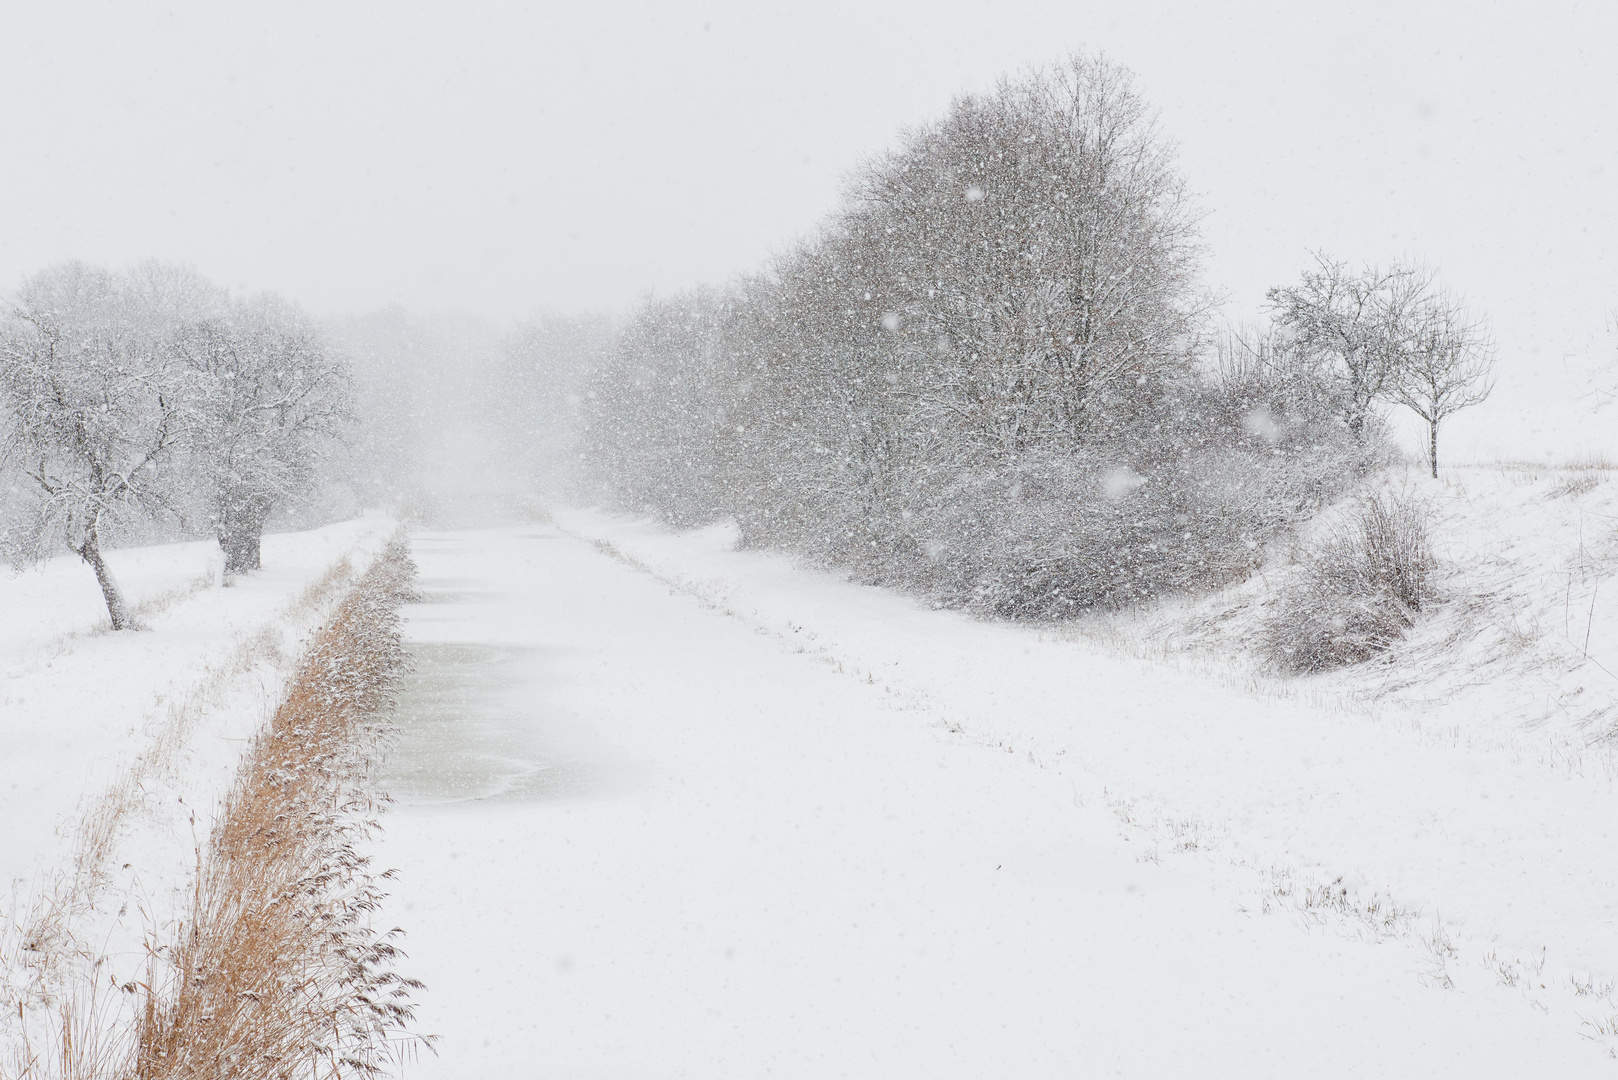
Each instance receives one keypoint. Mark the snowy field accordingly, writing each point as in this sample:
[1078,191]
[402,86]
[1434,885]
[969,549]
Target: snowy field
[700,813]
[667,808]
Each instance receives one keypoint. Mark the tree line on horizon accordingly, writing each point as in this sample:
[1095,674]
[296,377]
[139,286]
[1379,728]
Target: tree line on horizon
[992,377]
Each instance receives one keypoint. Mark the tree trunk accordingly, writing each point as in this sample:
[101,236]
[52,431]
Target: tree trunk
[1359,399]
[1432,446]
[240,546]
[90,552]
[1356,422]
[240,528]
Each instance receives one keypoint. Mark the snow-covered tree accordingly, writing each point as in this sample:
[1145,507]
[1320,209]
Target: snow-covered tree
[271,397]
[424,427]
[94,409]
[537,390]
[1361,321]
[655,415]
[1038,250]
[1447,365]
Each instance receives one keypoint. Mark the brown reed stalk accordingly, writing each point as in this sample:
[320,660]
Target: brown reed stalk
[280,972]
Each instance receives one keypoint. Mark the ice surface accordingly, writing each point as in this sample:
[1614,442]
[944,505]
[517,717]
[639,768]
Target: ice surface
[465,734]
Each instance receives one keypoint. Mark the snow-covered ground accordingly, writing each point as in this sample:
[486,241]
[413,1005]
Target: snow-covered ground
[695,811]
[672,809]
[1521,651]
[114,748]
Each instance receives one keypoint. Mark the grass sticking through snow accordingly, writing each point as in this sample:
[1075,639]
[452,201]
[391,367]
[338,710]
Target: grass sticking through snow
[279,970]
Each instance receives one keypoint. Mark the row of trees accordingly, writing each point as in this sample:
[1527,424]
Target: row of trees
[983,379]
[124,396]
[988,377]
[537,394]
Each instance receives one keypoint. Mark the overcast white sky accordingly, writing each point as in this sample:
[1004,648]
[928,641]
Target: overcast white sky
[503,158]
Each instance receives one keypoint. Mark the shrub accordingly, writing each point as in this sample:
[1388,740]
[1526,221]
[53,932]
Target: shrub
[1358,591]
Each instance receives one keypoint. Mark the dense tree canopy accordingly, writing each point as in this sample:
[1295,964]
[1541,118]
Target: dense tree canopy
[981,378]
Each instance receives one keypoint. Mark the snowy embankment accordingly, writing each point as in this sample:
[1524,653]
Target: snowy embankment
[117,746]
[1518,855]
[1496,864]
[1520,652]
[694,811]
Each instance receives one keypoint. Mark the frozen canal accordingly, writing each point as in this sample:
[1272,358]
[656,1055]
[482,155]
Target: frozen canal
[470,729]
[639,839]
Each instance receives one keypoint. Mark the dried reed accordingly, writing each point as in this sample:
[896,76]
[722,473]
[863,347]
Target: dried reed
[280,972]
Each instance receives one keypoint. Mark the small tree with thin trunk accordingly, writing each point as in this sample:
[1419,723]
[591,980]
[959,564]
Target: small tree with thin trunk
[1360,321]
[1447,365]
[271,396]
[93,410]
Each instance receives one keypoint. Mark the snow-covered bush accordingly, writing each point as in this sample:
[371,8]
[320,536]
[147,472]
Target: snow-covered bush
[537,389]
[1356,592]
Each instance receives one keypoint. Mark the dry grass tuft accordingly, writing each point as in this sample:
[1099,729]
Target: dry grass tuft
[1357,593]
[281,972]
[1575,485]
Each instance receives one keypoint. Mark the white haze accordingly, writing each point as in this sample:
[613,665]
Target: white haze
[502,159]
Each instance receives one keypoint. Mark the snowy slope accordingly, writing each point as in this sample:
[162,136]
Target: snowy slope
[798,827]
[1514,851]
[1521,650]
[115,747]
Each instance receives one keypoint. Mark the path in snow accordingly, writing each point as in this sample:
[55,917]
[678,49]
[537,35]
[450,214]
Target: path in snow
[644,839]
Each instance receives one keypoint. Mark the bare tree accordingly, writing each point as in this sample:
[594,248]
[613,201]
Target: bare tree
[94,409]
[1447,365]
[1361,320]
[271,396]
